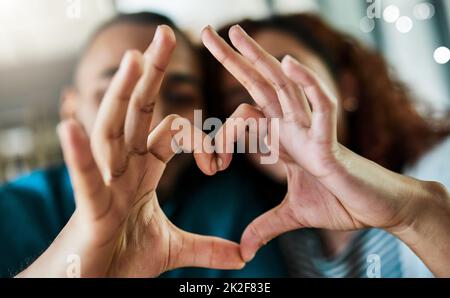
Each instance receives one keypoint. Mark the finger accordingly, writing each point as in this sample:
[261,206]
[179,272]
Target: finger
[208,252]
[321,99]
[111,116]
[107,136]
[142,103]
[260,90]
[264,228]
[90,192]
[293,104]
[235,128]
[175,134]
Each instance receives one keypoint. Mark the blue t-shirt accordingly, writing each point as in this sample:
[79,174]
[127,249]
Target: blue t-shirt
[34,209]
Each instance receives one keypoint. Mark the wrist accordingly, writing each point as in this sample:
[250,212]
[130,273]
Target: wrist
[339,164]
[57,258]
[427,235]
[428,208]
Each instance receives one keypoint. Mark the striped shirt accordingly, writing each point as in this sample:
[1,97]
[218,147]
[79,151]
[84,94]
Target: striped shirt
[370,253]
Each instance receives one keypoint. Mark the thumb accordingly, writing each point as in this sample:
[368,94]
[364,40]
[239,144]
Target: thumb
[264,228]
[194,250]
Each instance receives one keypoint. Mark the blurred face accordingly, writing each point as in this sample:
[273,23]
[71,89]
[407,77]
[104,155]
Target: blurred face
[180,93]
[278,44]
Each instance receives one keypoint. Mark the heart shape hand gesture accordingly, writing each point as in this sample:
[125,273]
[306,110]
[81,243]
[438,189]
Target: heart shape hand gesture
[118,228]
[328,186]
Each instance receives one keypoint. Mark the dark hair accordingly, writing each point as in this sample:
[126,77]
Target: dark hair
[139,18]
[386,128]
[144,18]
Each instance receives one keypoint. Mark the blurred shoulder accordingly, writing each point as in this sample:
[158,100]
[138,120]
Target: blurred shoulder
[33,209]
[45,183]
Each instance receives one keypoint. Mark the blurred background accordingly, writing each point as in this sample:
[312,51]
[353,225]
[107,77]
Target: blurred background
[40,41]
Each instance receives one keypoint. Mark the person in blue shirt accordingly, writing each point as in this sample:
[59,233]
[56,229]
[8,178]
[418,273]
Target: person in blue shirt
[34,209]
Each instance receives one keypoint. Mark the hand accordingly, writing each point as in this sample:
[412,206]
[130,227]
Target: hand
[328,185]
[118,228]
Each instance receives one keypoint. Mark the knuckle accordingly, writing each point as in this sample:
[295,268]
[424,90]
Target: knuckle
[158,68]
[260,239]
[224,59]
[257,58]
[280,85]
[151,64]
[142,105]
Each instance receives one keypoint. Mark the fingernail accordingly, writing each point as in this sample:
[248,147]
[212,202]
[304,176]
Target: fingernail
[204,32]
[108,178]
[242,265]
[219,162]
[213,31]
[289,58]
[155,41]
[213,166]
[126,61]
[157,33]
[240,31]
[251,257]
[238,27]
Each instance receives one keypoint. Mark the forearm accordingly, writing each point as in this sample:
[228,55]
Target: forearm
[429,234]
[420,214]
[70,255]
[53,262]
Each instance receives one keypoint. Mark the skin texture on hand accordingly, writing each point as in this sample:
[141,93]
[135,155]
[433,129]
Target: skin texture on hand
[329,186]
[118,228]
[308,203]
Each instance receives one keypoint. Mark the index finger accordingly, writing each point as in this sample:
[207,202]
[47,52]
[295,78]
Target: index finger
[260,90]
[142,103]
[242,122]
[107,135]
[175,134]
[293,104]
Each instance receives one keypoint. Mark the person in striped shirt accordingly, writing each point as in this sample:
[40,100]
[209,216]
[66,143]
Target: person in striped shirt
[375,119]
